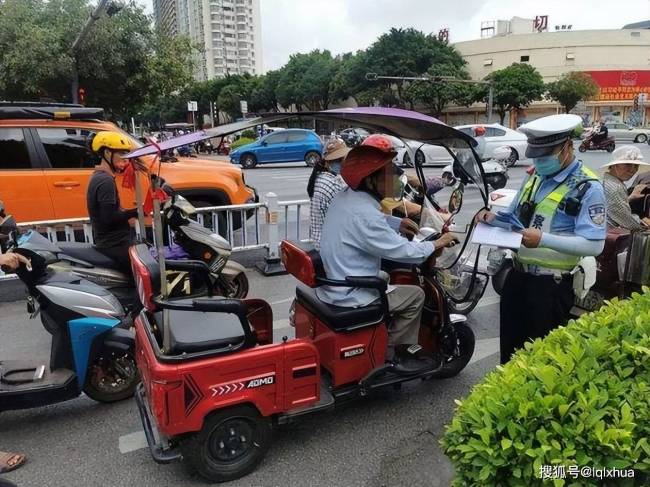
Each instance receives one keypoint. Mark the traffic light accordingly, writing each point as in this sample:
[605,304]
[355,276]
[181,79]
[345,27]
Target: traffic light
[82,96]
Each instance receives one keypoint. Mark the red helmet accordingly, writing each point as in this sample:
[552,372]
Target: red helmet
[380,142]
[362,161]
[479,131]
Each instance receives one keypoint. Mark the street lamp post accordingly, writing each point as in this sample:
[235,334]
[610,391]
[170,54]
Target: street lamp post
[443,79]
[104,6]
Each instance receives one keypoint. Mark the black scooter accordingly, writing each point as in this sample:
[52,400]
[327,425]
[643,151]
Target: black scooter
[89,353]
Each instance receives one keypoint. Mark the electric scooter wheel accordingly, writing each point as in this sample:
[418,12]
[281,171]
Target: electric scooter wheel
[582,148]
[112,379]
[465,342]
[610,147]
[231,444]
[236,289]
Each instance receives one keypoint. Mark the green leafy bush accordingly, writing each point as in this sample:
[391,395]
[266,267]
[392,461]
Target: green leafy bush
[241,141]
[579,397]
[249,134]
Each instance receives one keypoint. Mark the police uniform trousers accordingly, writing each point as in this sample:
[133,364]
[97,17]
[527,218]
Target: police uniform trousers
[532,306]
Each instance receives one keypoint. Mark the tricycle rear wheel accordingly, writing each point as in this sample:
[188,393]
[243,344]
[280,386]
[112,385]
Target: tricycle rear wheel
[463,341]
[231,444]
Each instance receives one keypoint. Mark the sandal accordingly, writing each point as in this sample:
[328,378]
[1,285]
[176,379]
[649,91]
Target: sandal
[11,461]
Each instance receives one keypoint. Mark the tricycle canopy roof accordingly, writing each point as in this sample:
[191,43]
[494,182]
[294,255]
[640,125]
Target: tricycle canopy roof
[394,121]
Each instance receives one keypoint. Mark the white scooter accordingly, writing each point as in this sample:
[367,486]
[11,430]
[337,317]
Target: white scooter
[495,169]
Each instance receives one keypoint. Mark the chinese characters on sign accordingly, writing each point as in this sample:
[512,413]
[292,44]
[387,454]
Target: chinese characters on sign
[620,85]
[540,23]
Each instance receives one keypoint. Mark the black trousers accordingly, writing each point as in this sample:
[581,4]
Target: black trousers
[532,306]
[120,255]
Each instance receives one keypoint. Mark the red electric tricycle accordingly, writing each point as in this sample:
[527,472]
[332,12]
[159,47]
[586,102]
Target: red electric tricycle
[214,383]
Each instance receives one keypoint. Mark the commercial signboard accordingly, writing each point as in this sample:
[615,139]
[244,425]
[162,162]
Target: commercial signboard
[620,85]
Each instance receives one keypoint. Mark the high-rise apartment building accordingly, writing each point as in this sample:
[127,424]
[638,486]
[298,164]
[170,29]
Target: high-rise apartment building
[229,32]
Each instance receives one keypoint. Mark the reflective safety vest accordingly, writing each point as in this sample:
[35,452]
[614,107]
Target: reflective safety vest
[542,219]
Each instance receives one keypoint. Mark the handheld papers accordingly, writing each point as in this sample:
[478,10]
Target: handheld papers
[485,234]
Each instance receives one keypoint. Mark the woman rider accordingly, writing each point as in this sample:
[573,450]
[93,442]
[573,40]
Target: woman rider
[324,183]
[625,165]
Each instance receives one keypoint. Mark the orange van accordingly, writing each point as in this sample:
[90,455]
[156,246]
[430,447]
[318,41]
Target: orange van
[45,165]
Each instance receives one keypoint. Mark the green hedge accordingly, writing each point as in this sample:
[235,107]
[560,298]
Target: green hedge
[241,141]
[249,134]
[579,397]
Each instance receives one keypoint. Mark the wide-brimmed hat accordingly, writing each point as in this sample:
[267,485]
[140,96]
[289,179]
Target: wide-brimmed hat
[361,162]
[335,149]
[627,154]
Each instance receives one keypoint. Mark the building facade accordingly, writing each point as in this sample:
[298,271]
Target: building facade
[228,31]
[617,60]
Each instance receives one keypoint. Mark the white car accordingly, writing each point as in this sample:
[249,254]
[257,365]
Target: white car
[497,136]
[432,154]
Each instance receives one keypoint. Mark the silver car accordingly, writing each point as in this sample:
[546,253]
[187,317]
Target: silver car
[624,133]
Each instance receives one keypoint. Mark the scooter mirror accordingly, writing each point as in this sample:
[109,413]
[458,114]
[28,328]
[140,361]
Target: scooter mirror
[455,201]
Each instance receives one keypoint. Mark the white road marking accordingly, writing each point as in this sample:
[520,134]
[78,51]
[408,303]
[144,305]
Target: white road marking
[137,441]
[272,303]
[132,442]
[489,301]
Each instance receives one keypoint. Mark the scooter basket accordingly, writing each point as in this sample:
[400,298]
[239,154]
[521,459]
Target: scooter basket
[638,259]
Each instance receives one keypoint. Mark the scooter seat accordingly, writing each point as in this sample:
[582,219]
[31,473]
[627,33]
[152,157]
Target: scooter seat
[195,331]
[88,253]
[339,318]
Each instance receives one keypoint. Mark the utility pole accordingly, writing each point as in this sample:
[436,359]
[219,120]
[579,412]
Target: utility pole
[104,6]
[442,79]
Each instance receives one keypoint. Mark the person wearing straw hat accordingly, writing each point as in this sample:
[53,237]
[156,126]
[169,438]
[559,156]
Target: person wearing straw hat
[323,184]
[626,163]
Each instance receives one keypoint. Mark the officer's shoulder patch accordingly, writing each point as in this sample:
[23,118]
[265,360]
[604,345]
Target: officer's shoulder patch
[597,214]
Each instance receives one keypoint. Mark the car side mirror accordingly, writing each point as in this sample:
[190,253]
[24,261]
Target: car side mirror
[264,142]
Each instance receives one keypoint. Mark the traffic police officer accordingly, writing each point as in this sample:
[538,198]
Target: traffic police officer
[561,208]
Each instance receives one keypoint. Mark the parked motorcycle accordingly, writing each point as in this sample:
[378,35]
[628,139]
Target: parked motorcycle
[200,243]
[608,144]
[90,353]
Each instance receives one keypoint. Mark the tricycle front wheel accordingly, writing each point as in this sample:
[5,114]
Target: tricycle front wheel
[231,444]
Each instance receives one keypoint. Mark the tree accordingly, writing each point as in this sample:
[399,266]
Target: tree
[571,88]
[436,95]
[238,88]
[305,80]
[408,52]
[122,64]
[514,87]
[263,96]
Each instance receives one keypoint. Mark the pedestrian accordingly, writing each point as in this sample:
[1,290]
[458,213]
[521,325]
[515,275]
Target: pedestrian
[626,163]
[562,212]
[9,460]
[323,184]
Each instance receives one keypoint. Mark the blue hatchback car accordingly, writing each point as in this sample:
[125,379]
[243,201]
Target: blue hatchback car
[289,145]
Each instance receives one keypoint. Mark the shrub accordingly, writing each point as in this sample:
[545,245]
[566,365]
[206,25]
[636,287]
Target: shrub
[241,141]
[249,134]
[579,397]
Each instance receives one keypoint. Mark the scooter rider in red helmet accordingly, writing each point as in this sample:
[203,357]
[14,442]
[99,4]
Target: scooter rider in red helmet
[357,236]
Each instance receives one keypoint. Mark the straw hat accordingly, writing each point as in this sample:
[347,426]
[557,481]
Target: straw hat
[626,154]
[335,149]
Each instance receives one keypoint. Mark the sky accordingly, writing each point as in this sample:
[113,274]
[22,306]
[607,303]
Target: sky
[290,26]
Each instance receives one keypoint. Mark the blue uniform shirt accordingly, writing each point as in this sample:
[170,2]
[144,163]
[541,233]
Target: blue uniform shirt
[590,222]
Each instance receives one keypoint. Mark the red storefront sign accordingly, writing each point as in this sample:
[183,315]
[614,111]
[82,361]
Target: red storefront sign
[620,85]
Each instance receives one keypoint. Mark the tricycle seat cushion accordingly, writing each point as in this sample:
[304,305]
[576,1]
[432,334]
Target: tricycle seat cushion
[189,331]
[339,318]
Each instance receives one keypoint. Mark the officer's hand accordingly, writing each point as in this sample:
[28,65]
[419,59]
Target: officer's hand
[485,216]
[646,221]
[408,228]
[531,237]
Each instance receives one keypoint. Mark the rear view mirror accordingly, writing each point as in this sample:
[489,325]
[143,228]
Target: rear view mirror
[455,201]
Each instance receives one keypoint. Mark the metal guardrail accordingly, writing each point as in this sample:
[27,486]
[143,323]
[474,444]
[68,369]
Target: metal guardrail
[221,219]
